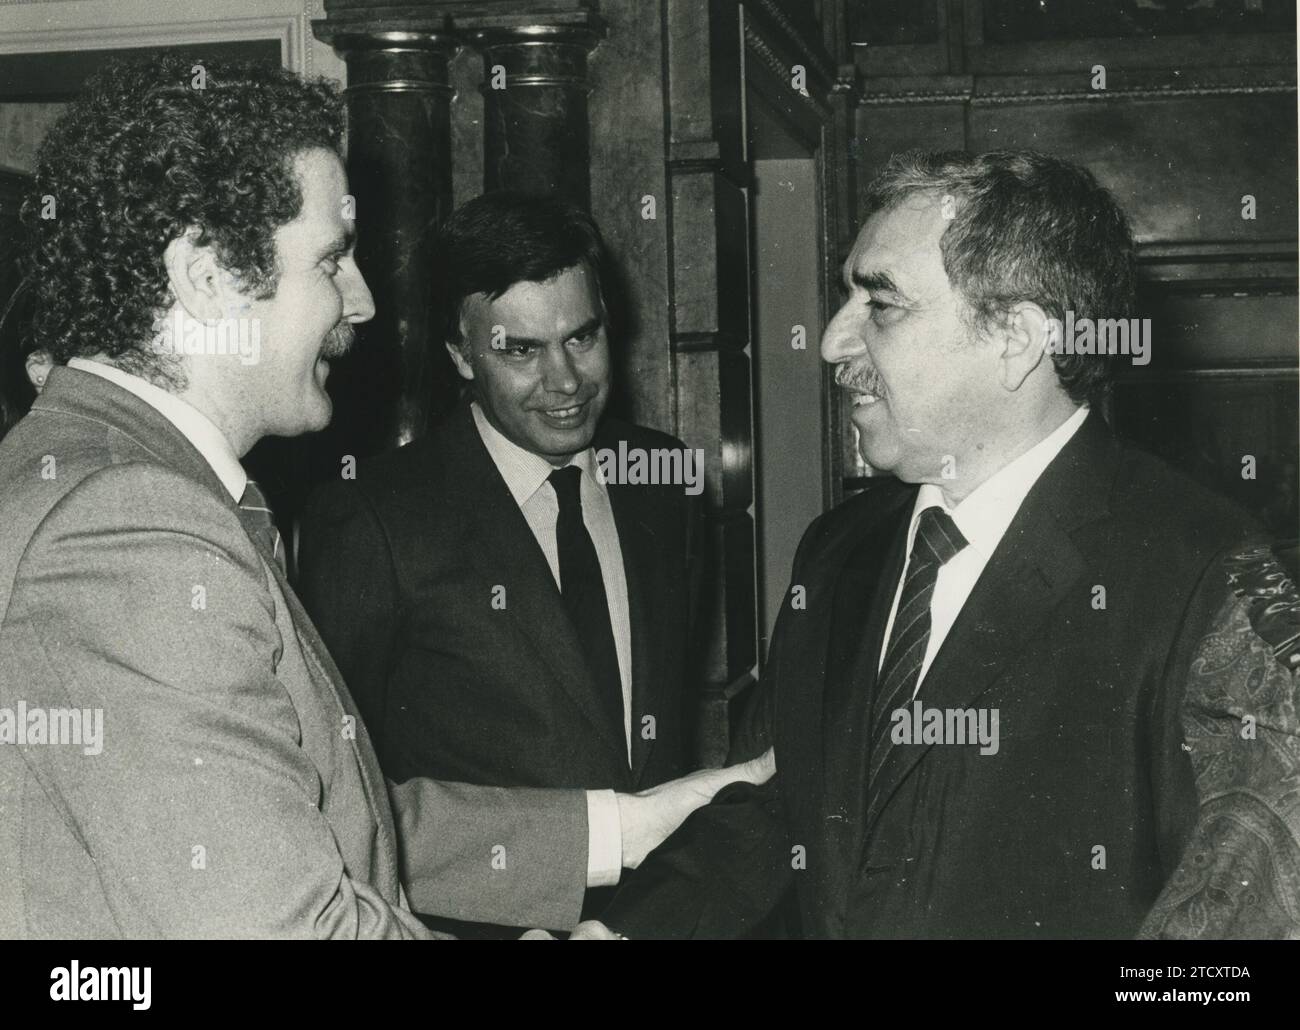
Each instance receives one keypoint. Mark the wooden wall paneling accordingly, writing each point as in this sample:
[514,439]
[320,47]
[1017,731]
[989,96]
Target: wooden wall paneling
[1231,429]
[1185,53]
[1179,165]
[709,296]
[839,229]
[715,387]
[1032,21]
[900,37]
[627,110]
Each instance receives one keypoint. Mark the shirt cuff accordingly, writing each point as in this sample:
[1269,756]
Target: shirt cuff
[604,839]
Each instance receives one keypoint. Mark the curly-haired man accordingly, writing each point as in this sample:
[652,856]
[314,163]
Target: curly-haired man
[184,760]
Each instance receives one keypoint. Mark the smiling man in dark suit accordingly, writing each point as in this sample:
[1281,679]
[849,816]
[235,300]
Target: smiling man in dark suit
[510,599]
[975,691]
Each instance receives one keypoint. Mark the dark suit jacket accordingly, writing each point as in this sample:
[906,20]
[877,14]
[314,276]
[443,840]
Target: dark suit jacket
[235,794]
[399,569]
[964,844]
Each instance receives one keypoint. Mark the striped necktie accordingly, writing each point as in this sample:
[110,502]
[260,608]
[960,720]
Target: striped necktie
[938,540]
[259,523]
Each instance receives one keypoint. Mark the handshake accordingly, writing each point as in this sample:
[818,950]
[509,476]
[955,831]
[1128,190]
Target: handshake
[650,817]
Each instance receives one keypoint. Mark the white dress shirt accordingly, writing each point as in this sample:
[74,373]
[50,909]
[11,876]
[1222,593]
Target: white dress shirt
[195,426]
[527,477]
[983,517]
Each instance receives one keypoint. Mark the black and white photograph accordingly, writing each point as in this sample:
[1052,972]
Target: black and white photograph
[651,470]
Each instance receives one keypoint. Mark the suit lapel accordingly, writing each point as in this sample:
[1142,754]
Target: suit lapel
[93,396]
[867,577]
[1034,566]
[812,664]
[372,778]
[866,584]
[502,547]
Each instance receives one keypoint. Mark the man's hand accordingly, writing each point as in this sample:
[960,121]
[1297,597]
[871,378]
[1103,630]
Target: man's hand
[591,930]
[594,930]
[649,817]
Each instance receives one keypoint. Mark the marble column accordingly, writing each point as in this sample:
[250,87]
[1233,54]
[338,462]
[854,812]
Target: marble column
[399,170]
[535,132]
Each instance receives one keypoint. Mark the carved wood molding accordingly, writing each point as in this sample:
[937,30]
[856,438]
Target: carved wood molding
[1027,90]
[461,16]
[290,29]
[1138,93]
[1031,97]
[1222,269]
[778,45]
[781,69]
[128,26]
[813,53]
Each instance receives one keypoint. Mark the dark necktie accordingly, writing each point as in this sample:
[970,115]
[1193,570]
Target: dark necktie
[937,541]
[259,523]
[583,588]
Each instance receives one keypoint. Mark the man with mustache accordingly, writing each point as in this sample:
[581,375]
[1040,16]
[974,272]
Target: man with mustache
[506,609]
[236,793]
[1022,564]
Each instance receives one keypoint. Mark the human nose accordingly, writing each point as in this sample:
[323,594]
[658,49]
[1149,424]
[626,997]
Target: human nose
[358,304]
[559,375]
[842,341]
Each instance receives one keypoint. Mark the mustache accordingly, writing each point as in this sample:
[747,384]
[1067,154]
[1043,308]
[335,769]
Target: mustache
[860,378]
[338,341]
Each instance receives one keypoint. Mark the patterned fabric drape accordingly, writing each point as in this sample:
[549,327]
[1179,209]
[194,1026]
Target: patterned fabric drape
[1240,874]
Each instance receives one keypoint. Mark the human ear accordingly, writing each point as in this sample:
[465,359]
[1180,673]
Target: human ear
[458,358]
[196,279]
[1023,335]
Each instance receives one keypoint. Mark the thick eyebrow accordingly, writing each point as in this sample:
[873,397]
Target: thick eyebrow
[586,329]
[877,282]
[340,244]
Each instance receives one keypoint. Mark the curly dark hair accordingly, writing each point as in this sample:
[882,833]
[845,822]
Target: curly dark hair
[151,150]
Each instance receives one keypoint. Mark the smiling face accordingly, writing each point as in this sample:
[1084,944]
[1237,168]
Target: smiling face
[539,360]
[320,295]
[924,387]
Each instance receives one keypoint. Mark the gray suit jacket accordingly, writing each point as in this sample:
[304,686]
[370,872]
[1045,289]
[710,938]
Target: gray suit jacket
[236,793]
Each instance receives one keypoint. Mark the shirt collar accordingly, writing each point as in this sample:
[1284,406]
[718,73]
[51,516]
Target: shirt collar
[984,515]
[195,426]
[523,471]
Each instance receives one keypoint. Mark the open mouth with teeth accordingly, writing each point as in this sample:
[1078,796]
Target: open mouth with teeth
[864,388]
[566,417]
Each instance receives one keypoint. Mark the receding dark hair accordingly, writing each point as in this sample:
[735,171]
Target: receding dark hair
[505,237]
[1025,227]
[141,157]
